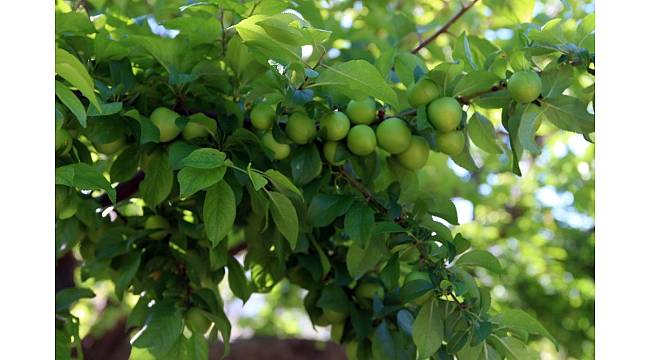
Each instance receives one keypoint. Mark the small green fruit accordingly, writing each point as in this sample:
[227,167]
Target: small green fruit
[165,121]
[196,321]
[416,154]
[524,86]
[199,126]
[444,114]
[321,320]
[362,111]
[62,142]
[111,147]
[422,92]
[263,116]
[334,316]
[157,222]
[451,143]
[300,128]
[361,140]
[335,126]
[280,151]
[329,151]
[336,333]
[366,291]
[393,135]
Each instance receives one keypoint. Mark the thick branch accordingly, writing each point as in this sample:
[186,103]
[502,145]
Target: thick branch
[445,27]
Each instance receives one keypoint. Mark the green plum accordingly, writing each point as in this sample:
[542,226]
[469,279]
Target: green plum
[157,222]
[335,126]
[62,142]
[524,86]
[329,151]
[393,135]
[366,290]
[263,116]
[334,316]
[196,321]
[111,147]
[280,151]
[451,143]
[199,126]
[422,92]
[416,154]
[444,114]
[165,121]
[300,128]
[362,111]
[361,140]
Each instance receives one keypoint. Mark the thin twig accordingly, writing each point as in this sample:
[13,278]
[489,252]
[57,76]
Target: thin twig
[445,27]
[466,99]
[223,32]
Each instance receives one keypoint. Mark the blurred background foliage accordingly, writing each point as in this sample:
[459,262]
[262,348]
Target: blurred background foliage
[540,225]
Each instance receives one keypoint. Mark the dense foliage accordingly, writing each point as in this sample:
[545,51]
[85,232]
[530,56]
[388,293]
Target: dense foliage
[314,136]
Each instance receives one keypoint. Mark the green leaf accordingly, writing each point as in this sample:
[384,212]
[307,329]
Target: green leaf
[519,319]
[105,109]
[306,164]
[219,210]
[70,68]
[428,329]
[569,113]
[125,165]
[482,133]
[257,179]
[149,132]
[205,158]
[405,65]
[192,179]
[61,345]
[383,344]
[162,328]
[390,273]
[237,280]
[285,217]
[178,151]
[360,260]
[556,79]
[282,183]
[356,79]
[71,101]
[259,41]
[475,82]
[512,348]
[83,176]
[334,298]
[443,208]
[531,118]
[66,297]
[507,12]
[359,223]
[480,258]
[127,272]
[158,180]
[324,208]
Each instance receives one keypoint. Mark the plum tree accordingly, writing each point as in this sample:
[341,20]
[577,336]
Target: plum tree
[157,222]
[111,147]
[444,114]
[165,121]
[525,86]
[393,135]
[329,151]
[422,92]
[280,151]
[196,321]
[335,126]
[362,111]
[199,126]
[362,140]
[451,143]
[416,154]
[263,116]
[301,128]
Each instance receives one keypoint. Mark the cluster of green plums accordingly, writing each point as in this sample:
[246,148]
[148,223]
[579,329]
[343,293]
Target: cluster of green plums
[352,129]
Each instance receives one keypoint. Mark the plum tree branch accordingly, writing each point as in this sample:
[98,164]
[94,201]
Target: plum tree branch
[466,99]
[445,27]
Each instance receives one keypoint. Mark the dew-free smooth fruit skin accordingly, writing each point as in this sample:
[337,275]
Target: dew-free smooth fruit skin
[157,222]
[62,141]
[524,86]
[416,155]
[196,321]
[335,126]
[444,114]
[451,143]
[165,121]
[422,92]
[300,128]
[111,147]
[329,151]
[280,151]
[199,126]
[361,140]
[393,135]
[362,111]
[334,316]
[263,116]
[366,290]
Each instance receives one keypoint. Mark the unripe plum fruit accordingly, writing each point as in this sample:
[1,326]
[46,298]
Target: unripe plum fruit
[444,114]
[422,92]
[111,147]
[157,222]
[280,151]
[393,135]
[416,154]
[329,151]
[263,116]
[362,111]
[524,86]
[300,128]
[361,140]
[335,126]
[199,126]
[334,316]
[62,141]
[451,143]
[196,321]
[367,290]
[165,121]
